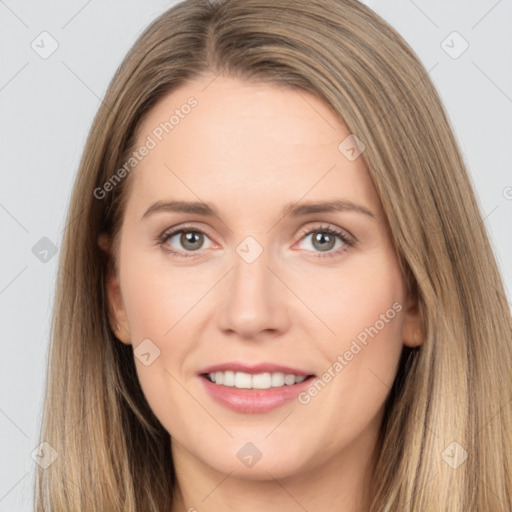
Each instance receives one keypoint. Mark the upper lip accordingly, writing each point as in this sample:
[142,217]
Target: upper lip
[254,368]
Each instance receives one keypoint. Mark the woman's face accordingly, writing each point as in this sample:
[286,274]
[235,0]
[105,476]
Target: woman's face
[271,286]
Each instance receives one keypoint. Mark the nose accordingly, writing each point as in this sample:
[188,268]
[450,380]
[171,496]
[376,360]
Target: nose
[254,300]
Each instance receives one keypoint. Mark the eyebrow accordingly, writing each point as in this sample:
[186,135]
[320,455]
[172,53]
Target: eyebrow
[293,209]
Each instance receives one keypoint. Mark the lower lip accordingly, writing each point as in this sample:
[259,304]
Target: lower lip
[254,400]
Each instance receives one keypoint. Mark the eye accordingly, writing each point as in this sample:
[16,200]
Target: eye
[190,238]
[324,239]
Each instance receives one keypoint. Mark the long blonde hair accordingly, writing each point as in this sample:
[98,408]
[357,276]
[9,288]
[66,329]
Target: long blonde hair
[113,454]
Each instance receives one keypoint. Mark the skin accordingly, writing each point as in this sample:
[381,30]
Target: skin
[250,149]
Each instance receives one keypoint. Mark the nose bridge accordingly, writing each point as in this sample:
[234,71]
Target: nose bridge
[250,272]
[250,280]
[252,302]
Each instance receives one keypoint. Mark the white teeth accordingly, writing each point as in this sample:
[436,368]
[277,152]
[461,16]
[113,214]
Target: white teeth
[228,379]
[289,380]
[260,380]
[277,379]
[242,380]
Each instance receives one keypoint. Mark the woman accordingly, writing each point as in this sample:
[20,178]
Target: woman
[206,354]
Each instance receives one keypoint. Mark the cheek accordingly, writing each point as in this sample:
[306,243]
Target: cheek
[162,305]
[364,301]
[366,311]
[157,297]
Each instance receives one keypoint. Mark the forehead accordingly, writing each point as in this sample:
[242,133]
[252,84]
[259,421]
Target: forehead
[233,140]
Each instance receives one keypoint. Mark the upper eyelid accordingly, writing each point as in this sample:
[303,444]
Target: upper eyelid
[172,232]
[339,231]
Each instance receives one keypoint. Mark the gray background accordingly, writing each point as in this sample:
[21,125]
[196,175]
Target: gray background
[47,108]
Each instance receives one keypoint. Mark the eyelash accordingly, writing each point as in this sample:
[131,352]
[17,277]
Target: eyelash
[346,239]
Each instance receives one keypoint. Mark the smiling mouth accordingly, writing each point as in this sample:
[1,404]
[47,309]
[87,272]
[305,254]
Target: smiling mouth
[266,380]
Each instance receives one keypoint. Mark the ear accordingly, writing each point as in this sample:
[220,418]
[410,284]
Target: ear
[412,333]
[116,311]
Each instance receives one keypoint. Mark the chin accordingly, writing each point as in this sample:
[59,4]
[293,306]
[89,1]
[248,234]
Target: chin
[256,461]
